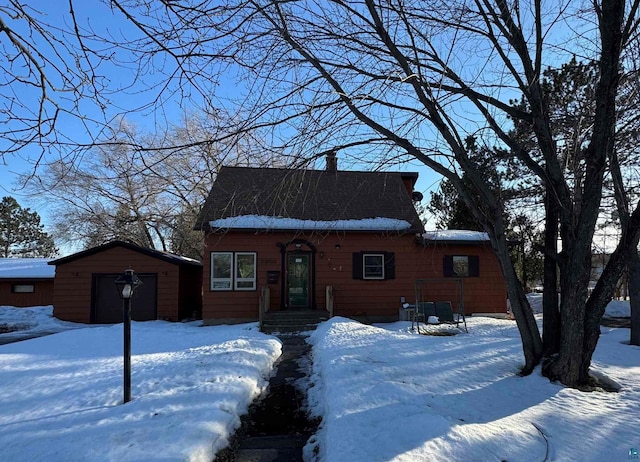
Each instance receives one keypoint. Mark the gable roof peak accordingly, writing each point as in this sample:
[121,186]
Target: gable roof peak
[310,195]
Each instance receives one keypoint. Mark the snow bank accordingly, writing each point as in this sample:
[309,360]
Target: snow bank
[615,308]
[31,321]
[390,395]
[61,394]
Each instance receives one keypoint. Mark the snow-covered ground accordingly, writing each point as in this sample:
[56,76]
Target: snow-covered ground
[384,393]
[390,394]
[615,308]
[61,394]
[18,323]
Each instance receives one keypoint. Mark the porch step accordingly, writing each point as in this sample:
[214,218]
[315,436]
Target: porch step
[293,321]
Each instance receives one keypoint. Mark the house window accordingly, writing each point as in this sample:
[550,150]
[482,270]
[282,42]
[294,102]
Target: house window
[233,271]
[245,273]
[374,265]
[23,288]
[461,266]
[221,263]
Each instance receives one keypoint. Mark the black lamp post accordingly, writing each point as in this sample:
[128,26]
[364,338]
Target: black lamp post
[126,284]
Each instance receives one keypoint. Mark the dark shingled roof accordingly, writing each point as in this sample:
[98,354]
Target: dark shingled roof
[316,195]
[168,257]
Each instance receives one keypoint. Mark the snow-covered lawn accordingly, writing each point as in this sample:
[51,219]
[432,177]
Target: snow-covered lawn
[615,308]
[17,323]
[61,393]
[384,393]
[389,394]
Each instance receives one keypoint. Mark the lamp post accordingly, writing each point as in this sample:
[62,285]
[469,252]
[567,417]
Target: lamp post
[127,284]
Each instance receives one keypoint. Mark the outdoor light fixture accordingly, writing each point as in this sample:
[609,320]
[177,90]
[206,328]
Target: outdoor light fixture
[337,246]
[126,284]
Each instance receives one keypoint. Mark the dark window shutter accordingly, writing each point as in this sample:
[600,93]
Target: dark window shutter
[357,265]
[448,266]
[389,265]
[474,266]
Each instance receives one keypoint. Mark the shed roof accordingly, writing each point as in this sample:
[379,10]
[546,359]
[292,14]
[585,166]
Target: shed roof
[243,198]
[165,256]
[26,268]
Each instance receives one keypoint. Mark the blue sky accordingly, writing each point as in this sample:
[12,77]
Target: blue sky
[101,18]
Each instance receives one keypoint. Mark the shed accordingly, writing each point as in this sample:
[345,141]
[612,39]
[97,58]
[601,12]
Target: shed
[84,289]
[26,282]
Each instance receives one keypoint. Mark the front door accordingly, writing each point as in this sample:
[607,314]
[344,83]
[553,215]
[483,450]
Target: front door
[298,280]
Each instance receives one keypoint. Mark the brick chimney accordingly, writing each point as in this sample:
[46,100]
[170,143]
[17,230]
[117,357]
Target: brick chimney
[332,162]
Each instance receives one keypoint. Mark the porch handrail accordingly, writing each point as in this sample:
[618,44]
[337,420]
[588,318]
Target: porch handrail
[329,300]
[263,306]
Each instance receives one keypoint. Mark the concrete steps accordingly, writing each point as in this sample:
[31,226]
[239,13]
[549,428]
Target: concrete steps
[289,321]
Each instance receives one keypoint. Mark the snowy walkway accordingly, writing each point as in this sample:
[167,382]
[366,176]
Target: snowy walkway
[277,427]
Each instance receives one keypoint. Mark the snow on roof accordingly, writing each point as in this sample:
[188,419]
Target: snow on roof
[455,235]
[32,268]
[268,222]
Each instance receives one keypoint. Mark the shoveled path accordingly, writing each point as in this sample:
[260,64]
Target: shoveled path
[277,427]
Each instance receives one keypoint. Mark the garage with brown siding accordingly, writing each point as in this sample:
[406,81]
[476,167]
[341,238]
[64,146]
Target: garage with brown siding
[26,282]
[84,288]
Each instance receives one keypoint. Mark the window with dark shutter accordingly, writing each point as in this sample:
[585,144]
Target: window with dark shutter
[389,265]
[357,265]
[447,269]
[374,265]
[474,266]
[461,266]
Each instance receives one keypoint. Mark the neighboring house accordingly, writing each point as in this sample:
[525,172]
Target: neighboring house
[304,234]
[26,282]
[85,290]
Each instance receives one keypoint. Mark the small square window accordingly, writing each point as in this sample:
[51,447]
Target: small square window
[461,266]
[373,266]
[23,288]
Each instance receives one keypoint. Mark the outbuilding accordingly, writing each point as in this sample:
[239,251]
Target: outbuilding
[84,288]
[26,282]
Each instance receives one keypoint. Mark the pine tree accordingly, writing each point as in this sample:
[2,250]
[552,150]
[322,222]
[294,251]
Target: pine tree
[21,233]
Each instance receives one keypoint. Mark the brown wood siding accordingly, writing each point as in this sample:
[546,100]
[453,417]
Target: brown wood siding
[72,293]
[42,296]
[333,266]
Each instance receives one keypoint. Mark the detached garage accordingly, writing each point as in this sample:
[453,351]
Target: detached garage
[84,288]
[26,282]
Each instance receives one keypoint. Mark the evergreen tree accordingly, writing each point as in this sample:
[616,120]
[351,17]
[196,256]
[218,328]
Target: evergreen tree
[21,233]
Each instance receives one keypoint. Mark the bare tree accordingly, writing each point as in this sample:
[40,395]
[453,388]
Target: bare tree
[392,81]
[415,80]
[48,73]
[141,188]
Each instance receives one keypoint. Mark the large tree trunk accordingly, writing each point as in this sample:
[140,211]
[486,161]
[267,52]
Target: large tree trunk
[568,365]
[550,313]
[634,296]
[525,320]
[580,320]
